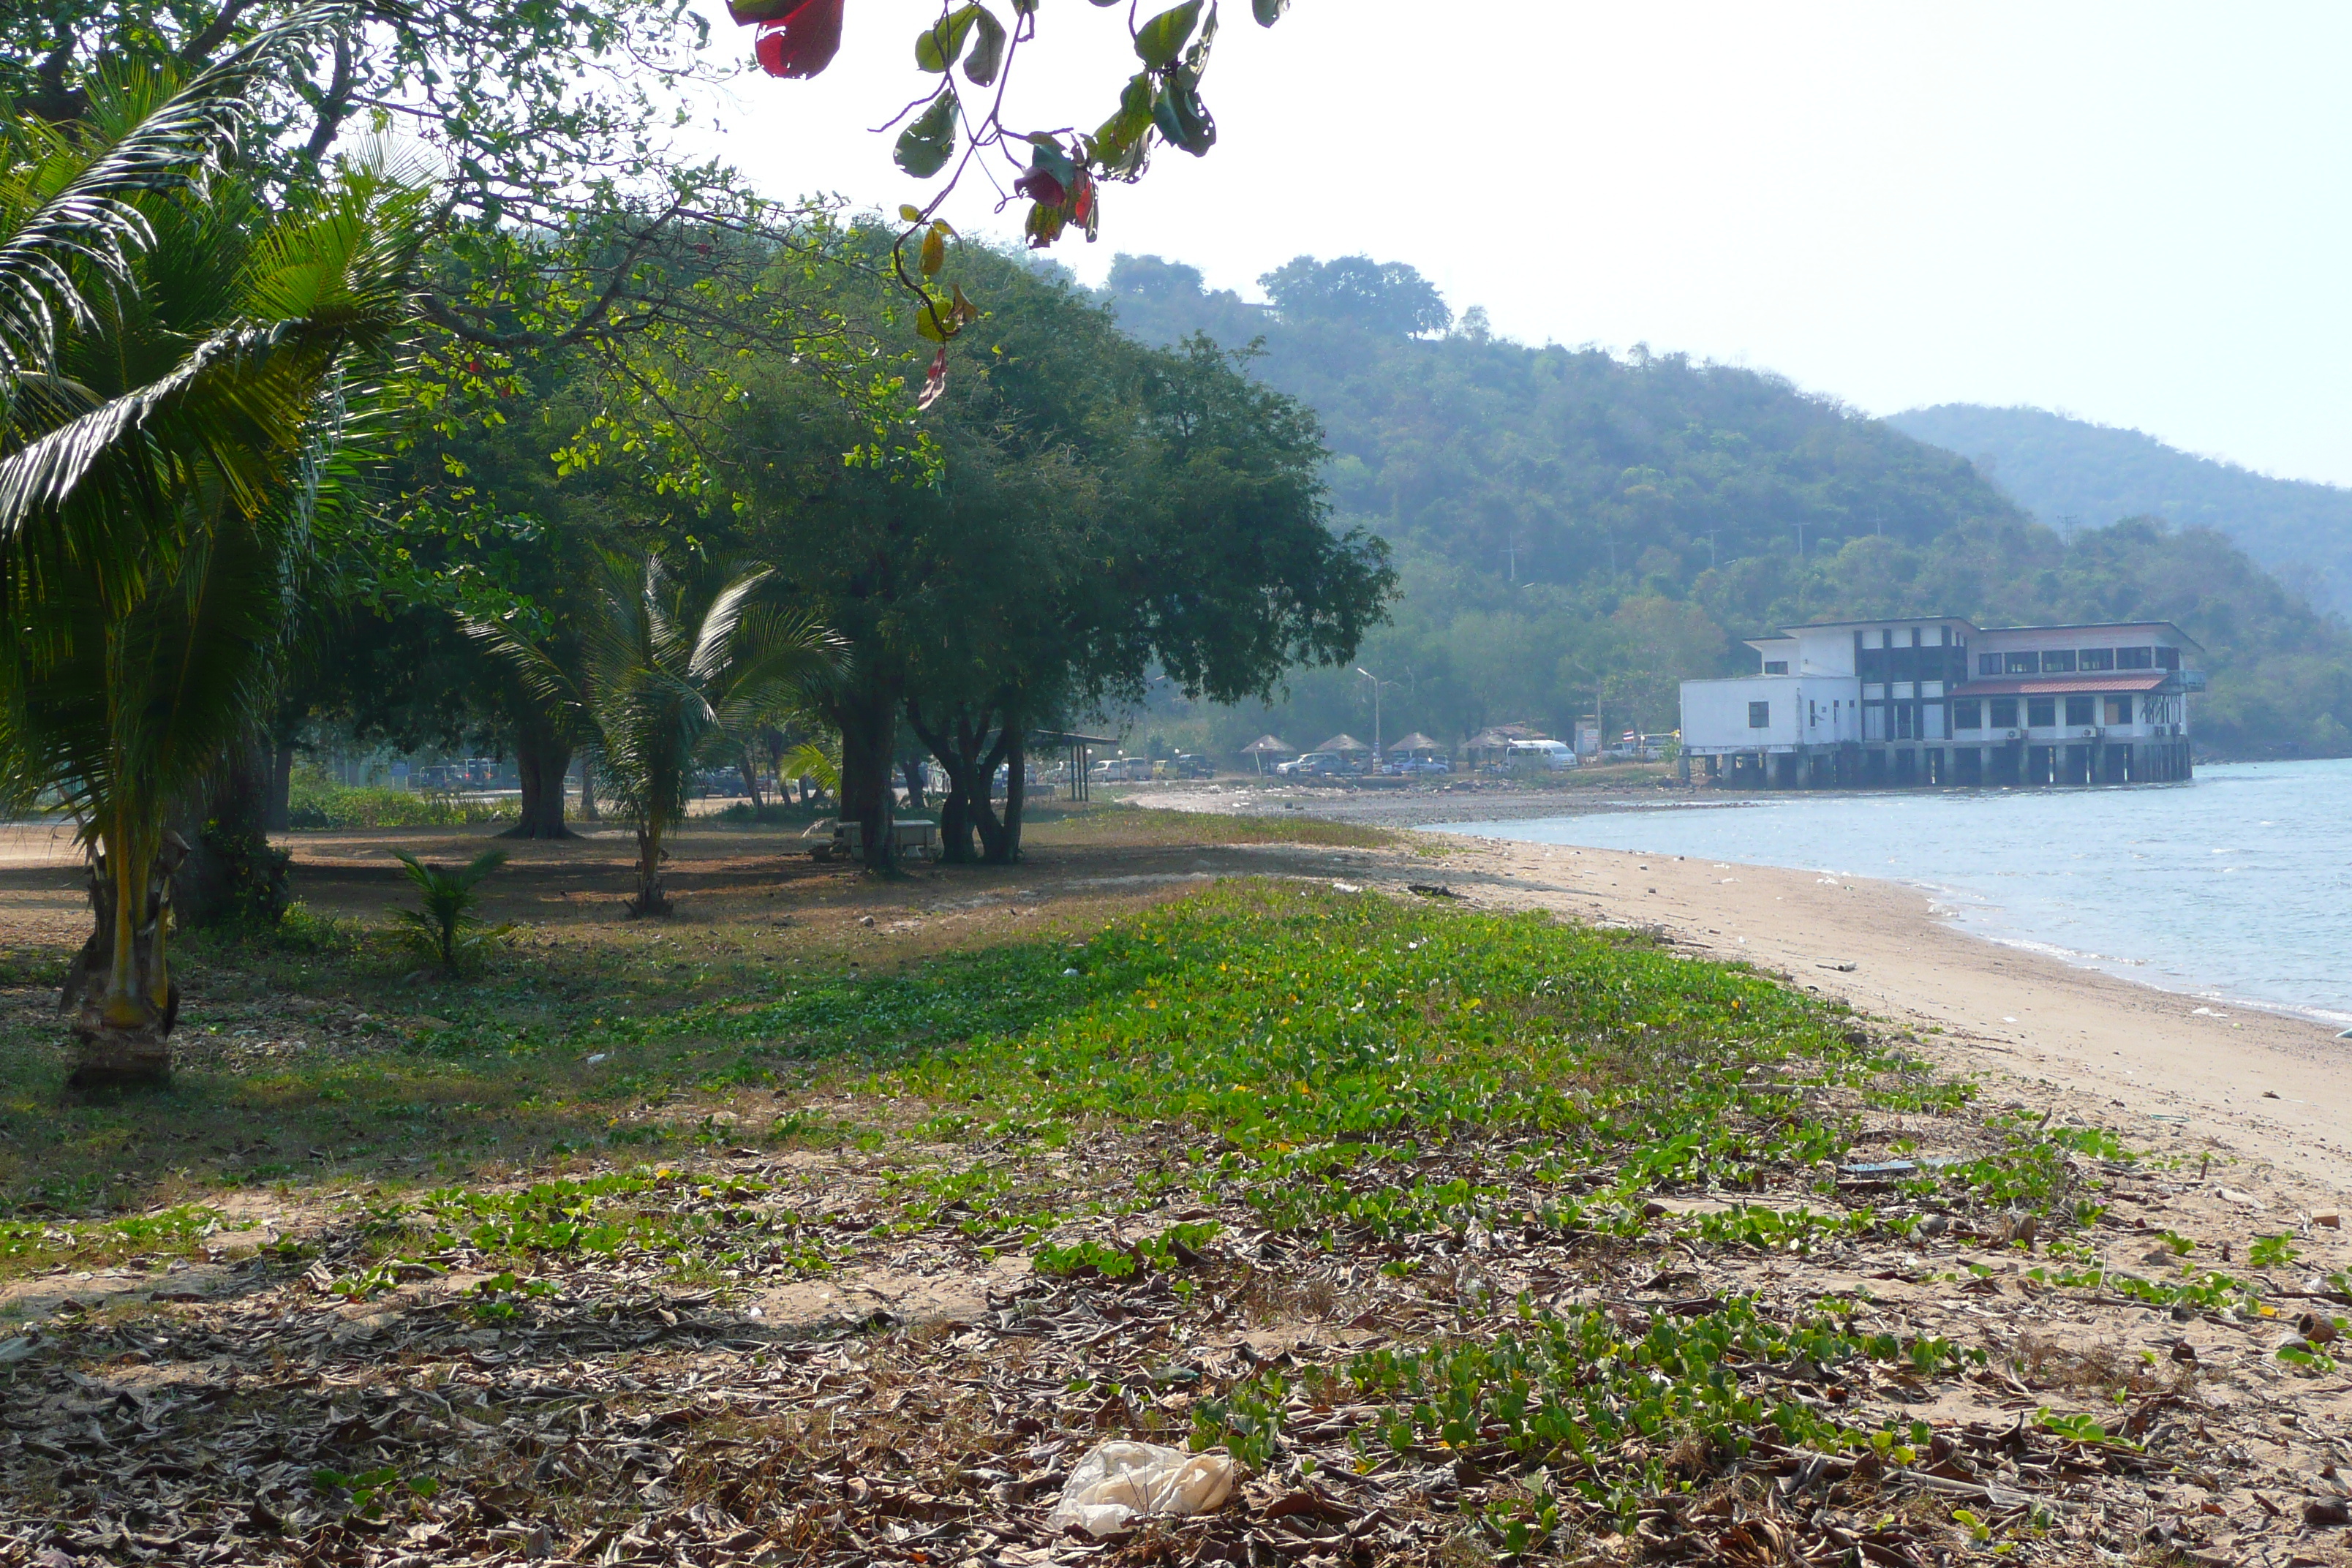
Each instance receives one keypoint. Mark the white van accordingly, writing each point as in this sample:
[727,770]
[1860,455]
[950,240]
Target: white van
[1553,754]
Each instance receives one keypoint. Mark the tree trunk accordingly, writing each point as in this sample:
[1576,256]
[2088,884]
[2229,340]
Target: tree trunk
[282,790]
[749,769]
[910,768]
[651,898]
[588,812]
[868,719]
[119,994]
[965,754]
[226,871]
[1016,787]
[542,761]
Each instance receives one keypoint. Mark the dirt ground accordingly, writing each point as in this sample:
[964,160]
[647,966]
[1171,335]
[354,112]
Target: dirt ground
[923,1397]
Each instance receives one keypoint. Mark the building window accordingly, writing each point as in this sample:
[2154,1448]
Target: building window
[2119,710]
[2097,658]
[1903,721]
[2058,661]
[2135,658]
[2004,712]
[2023,664]
[1987,664]
[2041,712]
[1967,714]
[1931,722]
[2168,659]
[1776,667]
[1759,715]
[2081,710]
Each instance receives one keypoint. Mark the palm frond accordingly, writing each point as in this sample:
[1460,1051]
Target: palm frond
[74,218]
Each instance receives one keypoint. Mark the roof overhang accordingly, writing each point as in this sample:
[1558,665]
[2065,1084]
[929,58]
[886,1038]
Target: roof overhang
[2117,683]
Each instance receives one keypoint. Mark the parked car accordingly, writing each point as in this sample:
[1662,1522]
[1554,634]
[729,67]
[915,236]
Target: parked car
[1553,754]
[1191,765]
[1313,765]
[1415,767]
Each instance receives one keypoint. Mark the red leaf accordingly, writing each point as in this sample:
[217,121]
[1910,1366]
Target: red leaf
[935,384]
[803,43]
[1040,186]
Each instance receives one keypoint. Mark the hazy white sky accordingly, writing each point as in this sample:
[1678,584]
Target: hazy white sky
[2133,213]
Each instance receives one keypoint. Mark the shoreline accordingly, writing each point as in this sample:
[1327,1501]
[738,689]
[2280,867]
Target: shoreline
[2265,1083]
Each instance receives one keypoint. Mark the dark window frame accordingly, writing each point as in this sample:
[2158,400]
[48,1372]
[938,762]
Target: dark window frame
[1967,713]
[2021,664]
[2135,659]
[1759,715]
[2094,660]
[1776,667]
[2002,714]
[2042,712]
[2058,661]
[2085,706]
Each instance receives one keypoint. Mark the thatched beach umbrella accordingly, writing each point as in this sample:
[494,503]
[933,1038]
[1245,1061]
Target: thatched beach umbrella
[1416,745]
[1267,746]
[1343,742]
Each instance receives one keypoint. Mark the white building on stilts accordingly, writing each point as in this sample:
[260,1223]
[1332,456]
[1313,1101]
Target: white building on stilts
[1941,701]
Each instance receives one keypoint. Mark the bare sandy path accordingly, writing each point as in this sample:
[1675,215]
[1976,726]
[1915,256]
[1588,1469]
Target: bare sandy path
[2274,1088]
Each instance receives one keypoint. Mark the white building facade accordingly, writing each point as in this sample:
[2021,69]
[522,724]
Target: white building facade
[1939,701]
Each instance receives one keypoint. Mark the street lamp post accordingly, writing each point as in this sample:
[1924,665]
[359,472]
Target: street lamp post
[1377,684]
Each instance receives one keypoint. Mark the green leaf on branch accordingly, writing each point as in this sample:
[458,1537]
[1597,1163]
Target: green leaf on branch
[938,46]
[927,145]
[1268,12]
[935,252]
[1118,141]
[1181,115]
[1160,40]
[988,53]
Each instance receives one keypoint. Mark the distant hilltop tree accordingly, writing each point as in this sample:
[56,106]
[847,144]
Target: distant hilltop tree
[1385,296]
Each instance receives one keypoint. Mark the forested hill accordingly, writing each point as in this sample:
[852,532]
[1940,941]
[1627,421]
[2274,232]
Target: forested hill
[1571,521]
[2065,470]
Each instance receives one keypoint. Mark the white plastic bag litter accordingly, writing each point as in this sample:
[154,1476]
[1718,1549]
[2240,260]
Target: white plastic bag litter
[1117,1482]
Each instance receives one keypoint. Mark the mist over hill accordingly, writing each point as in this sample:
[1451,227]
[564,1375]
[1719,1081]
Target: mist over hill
[2067,471]
[1573,524]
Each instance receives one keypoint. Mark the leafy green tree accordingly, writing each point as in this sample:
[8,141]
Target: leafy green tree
[1101,512]
[161,484]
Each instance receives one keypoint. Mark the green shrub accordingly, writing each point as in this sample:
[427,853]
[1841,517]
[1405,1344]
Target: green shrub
[318,802]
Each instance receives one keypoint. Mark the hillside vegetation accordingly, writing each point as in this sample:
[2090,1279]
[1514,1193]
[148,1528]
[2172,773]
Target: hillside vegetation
[2061,469]
[1571,523]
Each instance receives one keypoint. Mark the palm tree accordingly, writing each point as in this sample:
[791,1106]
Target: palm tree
[673,673]
[160,463]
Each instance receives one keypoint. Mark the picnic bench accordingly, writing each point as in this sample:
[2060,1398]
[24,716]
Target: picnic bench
[911,838]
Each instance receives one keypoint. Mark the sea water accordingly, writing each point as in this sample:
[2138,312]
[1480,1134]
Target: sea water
[2236,885]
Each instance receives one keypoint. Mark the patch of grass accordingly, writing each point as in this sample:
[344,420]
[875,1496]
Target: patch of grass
[1130,822]
[29,1246]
